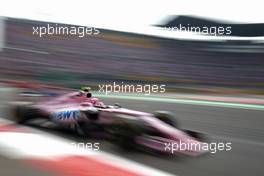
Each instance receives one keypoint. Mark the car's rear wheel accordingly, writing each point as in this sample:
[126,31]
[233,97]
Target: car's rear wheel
[166,117]
[24,113]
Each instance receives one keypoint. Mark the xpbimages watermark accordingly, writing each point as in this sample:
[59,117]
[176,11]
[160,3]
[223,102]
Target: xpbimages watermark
[88,145]
[212,147]
[145,89]
[55,29]
[202,30]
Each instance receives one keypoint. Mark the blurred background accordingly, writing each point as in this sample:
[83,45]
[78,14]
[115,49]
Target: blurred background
[209,66]
[135,47]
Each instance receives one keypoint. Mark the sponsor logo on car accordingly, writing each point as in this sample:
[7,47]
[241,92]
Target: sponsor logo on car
[68,115]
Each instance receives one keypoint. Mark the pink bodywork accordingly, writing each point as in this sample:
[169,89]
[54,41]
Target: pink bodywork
[170,135]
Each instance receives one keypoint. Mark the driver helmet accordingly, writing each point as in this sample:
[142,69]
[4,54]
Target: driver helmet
[86,91]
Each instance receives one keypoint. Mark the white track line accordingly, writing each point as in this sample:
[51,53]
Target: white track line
[27,50]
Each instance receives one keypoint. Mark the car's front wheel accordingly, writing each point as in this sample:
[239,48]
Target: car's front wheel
[167,118]
[197,135]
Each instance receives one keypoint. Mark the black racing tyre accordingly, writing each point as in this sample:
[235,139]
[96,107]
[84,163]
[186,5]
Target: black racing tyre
[197,135]
[166,117]
[24,113]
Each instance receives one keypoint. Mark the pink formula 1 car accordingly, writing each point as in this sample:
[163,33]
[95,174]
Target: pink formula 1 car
[79,111]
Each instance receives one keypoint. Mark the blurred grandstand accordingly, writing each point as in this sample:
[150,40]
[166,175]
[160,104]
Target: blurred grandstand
[238,29]
[184,66]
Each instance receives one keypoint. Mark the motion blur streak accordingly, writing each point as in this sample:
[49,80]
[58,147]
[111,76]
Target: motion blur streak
[52,153]
[216,102]
[184,66]
[213,86]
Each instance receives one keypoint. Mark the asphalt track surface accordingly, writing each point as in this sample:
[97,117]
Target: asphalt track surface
[242,127]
